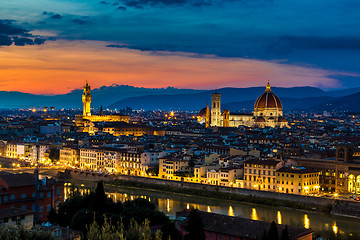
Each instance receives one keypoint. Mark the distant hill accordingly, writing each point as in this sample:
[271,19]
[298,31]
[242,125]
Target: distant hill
[347,104]
[234,99]
[197,101]
[100,96]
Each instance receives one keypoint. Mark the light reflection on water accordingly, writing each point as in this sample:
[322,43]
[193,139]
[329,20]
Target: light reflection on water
[171,203]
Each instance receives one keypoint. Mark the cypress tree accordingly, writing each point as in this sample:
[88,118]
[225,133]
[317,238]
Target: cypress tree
[273,232]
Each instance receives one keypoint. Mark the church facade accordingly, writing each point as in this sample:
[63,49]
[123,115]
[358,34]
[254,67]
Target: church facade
[268,112]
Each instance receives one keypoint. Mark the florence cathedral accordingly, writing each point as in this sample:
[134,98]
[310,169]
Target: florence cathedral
[268,112]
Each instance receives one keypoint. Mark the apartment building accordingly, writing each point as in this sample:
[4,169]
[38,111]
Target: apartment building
[297,180]
[260,174]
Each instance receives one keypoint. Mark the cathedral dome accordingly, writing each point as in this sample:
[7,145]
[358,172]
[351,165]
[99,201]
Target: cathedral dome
[202,112]
[267,100]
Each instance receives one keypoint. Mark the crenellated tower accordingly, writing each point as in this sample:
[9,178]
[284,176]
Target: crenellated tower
[86,99]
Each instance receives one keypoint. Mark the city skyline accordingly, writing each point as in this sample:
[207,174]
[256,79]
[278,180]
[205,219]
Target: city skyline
[53,47]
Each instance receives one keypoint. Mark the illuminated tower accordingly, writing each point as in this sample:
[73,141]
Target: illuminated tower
[216,109]
[86,99]
[207,116]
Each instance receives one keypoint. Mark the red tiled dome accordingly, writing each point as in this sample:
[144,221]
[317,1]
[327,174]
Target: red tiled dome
[267,100]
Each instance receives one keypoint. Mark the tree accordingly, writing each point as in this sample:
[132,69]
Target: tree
[81,219]
[137,231]
[191,163]
[158,235]
[273,232]
[285,234]
[94,232]
[140,209]
[169,230]
[194,226]
[54,154]
[19,233]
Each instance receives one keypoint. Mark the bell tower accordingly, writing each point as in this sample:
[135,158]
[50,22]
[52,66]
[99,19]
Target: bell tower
[216,110]
[86,99]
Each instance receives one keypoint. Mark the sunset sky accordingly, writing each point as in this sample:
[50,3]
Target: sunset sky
[54,46]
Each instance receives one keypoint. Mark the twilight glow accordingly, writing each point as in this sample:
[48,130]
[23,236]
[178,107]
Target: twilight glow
[53,46]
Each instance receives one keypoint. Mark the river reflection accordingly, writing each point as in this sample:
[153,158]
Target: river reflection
[170,203]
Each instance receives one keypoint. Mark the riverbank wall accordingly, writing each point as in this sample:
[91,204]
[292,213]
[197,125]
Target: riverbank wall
[338,207]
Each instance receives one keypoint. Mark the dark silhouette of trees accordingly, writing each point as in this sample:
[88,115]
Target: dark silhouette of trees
[194,226]
[273,232]
[79,212]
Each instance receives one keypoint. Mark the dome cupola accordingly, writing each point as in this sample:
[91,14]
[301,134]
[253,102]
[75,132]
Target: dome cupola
[267,100]
[268,104]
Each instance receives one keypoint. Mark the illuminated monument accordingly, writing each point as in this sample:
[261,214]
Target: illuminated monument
[85,121]
[268,112]
[86,99]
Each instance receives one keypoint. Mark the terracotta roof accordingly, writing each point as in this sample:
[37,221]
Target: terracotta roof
[268,100]
[13,212]
[17,180]
[263,162]
[298,170]
[260,119]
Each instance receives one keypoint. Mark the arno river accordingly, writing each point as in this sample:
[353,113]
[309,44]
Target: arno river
[170,203]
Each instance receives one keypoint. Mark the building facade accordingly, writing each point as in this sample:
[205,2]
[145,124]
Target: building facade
[296,180]
[260,174]
[18,191]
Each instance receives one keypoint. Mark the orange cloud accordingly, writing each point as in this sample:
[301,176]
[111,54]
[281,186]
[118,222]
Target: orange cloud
[61,66]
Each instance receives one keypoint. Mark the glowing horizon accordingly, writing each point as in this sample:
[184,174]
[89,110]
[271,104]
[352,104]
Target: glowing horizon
[59,67]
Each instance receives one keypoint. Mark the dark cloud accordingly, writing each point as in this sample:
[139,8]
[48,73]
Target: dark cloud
[7,28]
[286,44]
[163,3]
[104,3]
[80,21]
[22,41]
[193,3]
[52,15]
[122,8]
[10,33]
[56,16]
[39,41]
[145,48]
[5,40]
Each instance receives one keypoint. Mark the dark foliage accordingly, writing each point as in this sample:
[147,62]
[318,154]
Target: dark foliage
[169,230]
[273,232]
[141,209]
[78,211]
[194,226]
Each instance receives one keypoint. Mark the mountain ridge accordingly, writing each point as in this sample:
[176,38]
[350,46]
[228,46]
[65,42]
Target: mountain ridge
[169,98]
